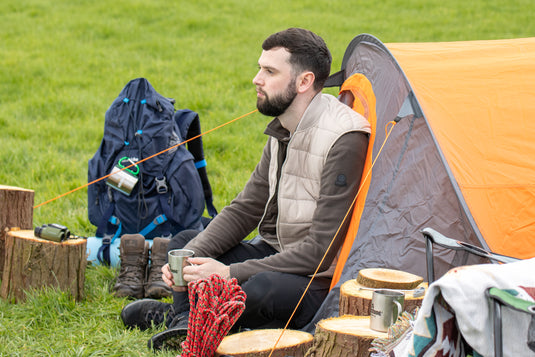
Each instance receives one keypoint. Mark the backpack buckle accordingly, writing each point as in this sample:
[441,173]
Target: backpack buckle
[106,240]
[161,185]
[160,220]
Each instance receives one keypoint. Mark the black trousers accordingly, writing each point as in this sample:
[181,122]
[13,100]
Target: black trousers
[271,296]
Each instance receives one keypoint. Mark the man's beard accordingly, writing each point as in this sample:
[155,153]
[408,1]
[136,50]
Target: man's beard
[277,105]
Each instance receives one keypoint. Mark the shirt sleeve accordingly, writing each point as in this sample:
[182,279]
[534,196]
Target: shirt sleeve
[239,218]
[339,184]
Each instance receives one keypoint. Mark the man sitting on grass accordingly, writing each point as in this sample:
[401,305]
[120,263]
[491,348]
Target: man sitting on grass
[297,196]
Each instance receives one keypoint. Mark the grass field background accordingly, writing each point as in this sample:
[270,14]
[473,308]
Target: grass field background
[62,63]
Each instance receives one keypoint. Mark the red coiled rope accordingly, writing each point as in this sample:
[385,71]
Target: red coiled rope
[215,306]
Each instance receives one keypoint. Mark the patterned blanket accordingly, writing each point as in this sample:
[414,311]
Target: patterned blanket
[456,312]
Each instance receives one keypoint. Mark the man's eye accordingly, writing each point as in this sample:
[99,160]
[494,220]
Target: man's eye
[266,69]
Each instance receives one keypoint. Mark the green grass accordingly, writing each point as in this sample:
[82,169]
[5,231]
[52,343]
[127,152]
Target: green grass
[63,62]
[51,323]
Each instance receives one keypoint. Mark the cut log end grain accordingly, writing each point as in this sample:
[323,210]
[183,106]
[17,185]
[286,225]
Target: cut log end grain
[260,343]
[358,326]
[13,188]
[29,235]
[343,336]
[381,278]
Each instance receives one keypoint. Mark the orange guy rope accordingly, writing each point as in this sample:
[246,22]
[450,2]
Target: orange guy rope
[335,235]
[145,159]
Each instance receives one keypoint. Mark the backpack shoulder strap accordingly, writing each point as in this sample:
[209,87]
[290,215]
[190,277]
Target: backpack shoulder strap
[189,125]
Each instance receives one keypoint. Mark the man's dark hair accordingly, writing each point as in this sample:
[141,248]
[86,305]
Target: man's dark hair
[308,52]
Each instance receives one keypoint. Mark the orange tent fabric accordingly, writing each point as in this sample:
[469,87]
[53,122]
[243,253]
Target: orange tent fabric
[459,159]
[479,99]
[363,103]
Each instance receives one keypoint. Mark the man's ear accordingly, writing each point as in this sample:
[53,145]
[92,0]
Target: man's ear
[305,81]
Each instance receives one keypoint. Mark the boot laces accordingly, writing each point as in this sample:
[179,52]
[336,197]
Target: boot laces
[155,273]
[130,273]
[158,316]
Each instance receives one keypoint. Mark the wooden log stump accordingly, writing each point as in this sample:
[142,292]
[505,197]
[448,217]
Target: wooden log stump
[16,211]
[343,336]
[355,299]
[260,343]
[32,263]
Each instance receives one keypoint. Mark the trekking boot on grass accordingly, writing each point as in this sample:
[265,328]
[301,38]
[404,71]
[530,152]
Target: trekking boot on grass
[144,313]
[134,254]
[156,288]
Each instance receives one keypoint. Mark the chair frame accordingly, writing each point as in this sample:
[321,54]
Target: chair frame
[434,237]
[494,295]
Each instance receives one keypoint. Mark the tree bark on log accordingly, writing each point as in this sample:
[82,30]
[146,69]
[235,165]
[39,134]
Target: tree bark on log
[16,211]
[32,263]
[259,343]
[343,336]
[355,299]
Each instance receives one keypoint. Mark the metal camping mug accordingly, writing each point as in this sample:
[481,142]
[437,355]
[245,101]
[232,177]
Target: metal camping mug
[386,306]
[122,180]
[178,259]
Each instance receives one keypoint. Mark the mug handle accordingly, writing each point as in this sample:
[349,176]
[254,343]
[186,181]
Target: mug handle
[399,310]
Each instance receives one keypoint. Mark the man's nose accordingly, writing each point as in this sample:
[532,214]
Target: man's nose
[257,80]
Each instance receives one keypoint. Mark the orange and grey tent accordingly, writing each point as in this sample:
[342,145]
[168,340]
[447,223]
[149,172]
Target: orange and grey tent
[460,159]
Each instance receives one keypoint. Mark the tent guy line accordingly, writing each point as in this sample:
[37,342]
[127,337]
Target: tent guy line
[145,159]
[387,132]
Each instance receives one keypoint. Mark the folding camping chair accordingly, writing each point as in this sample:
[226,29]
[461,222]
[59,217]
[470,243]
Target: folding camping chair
[434,237]
[498,297]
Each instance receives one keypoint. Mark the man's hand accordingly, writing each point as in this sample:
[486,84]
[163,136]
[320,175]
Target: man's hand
[202,268]
[167,278]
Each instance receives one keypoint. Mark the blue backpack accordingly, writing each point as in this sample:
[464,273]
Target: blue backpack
[158,197]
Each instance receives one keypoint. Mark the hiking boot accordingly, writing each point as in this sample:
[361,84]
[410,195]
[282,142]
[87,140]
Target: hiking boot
[172,338]
[146,312]
[156,288]
[134,254]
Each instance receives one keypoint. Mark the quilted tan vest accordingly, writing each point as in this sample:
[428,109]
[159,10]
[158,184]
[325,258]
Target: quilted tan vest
[324,121]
